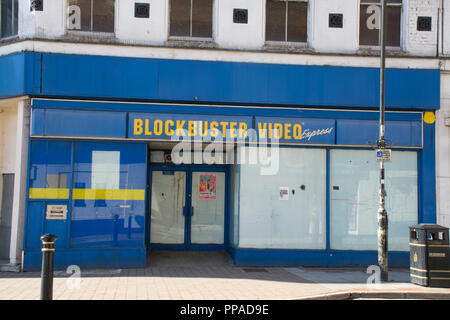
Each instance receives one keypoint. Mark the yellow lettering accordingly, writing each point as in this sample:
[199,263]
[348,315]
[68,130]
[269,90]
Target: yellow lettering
[158,127]
[262,129]
[169,132]
[147,128]
[297,131]
[180,130]
[214,130]
[278,128]
[287,131]
[203,128]
[137,127]
[233,129]
[242,130]
[192,128]
[270,131]
[224,125]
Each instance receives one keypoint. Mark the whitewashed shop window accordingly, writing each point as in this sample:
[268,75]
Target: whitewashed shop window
[370,22]
[91,15]
[8,18]
[354,199]
[191,18]
[286,20]
[287,209]
[105,170]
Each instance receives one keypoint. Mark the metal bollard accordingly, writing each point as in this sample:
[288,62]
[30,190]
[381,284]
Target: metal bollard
[48,249]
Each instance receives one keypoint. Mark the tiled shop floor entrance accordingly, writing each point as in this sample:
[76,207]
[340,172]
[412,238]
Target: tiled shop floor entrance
[188,258]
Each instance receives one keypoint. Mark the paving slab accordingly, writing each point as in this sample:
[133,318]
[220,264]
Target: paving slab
[213,276]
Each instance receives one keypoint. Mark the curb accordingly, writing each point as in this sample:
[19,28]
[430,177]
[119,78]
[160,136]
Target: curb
[350,295]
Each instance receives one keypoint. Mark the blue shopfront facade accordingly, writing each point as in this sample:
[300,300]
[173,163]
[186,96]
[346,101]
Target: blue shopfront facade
[96,120]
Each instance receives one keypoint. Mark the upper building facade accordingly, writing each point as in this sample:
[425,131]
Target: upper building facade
[92,93]
[415,27]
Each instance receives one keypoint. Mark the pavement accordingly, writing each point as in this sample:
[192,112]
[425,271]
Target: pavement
[213,276]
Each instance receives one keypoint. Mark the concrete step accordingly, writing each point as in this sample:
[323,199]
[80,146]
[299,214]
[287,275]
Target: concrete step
[5,266]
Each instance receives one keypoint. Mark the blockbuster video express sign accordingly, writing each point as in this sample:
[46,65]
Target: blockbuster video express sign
[230,128]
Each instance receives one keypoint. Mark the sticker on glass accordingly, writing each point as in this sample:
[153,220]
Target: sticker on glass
[207,186]
[284,193]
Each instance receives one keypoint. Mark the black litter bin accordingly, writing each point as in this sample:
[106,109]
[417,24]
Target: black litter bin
[429,255]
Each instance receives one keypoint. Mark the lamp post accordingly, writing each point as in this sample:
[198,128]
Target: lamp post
[382,214]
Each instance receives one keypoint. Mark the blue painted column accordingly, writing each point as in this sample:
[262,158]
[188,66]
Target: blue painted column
[427,171]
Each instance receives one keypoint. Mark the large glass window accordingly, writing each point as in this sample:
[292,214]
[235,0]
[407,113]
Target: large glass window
[370,22]
[286,20]
[8,18]
[285,210]
[91,15]
[191,18]
[354,199]
[49,170]
[108,195]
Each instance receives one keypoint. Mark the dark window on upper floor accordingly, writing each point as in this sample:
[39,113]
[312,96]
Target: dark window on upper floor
[191,18]
[370,21]
[91,15]
[287,20]
[8,18]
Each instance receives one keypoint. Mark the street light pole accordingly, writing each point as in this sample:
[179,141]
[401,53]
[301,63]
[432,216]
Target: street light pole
[382,214]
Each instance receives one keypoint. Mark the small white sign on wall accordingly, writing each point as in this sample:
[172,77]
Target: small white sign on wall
[284,193]
[56,212]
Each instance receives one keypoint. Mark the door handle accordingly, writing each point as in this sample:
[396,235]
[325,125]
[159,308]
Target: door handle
[192,211]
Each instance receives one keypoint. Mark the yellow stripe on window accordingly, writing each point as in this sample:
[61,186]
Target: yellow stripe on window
[87,194]
[108,194]
[48,193]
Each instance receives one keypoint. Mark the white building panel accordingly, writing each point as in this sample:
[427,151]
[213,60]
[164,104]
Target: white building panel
[49,23]
[338,40]
[421,43]
[152,30]
[446,27]
[242,36]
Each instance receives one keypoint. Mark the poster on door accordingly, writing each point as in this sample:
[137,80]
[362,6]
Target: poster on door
[207,186]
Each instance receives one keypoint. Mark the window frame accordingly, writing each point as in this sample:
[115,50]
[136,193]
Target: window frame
[13,19]
[285,43]
[96,34]
[372,47]
[191,38]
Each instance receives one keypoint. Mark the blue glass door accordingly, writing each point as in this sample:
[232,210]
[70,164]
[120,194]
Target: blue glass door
[187,208]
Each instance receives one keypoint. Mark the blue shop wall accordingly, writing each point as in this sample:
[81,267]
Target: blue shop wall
[104,227]
[20,74]
[50,117]
[103,77]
